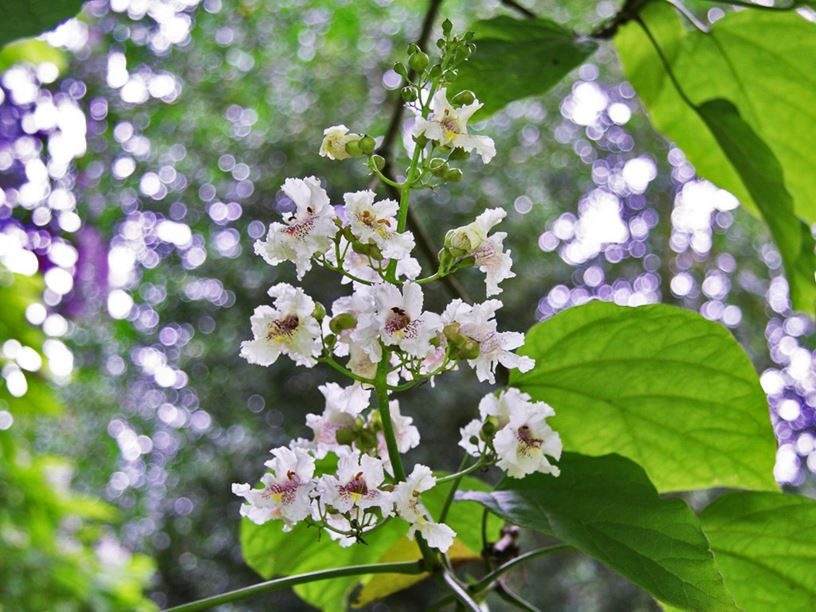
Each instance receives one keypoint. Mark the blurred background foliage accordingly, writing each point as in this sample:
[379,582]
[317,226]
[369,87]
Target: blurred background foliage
[141,153]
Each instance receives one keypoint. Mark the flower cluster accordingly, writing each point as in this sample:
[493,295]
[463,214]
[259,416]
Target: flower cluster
[348,478]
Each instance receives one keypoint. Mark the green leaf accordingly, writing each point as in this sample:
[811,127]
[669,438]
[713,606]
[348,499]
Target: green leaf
[518,58]
[762,175]
[607,508]
[658,384]
[760,61]
[271,552]
[24,19]
[31,51]
[765,546]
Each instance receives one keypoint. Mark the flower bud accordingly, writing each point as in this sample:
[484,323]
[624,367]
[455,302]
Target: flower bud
[345,436]
[488,429]
[330,341]
[400,69]
[319,311]
[421,140]
[353,148]
[419,61]
[467,238]
[447,27]
[409,94]
[453,175]
[367,440]
[438,166]
[342,322]
[376,162]
[367,145]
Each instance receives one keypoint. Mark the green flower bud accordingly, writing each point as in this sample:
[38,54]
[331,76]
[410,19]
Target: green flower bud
[454,175]
[345,436]
[469,349]
[367,145]
[409,94]
[401,70]
[342,322]
[419,61]
[438,166]
[319,311]
[376,162]
[451,331]
[353,148]
[463,98]
[489,427]
[330,341]
[367,440]
[447,27]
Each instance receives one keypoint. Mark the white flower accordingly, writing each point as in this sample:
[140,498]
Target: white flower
[524,443]
[448,126]
[287,328]
[376,222]
[335,139]
[471,236]
[398,320]
[405,433]
[488,251]
[286,491]
[355,485]
[469,432]
[343,406]
[477,322]
[494,262]
[409,507]
[308,230]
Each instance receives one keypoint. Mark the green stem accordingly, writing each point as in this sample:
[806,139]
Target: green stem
[381,386]
[487,580]
[345,371]
[515,600]
[462,596]
[463,471]
[406,567]
[457,479]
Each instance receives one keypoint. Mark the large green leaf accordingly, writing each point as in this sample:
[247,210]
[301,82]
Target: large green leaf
[517,58]
[658,384]
[271,552]
[765,546]
[24,19]
[760,61]
[607,508]
[762,175]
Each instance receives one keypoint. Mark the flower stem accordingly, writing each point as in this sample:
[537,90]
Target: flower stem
[406,567]
[457,479]
[461,594]
[381,385]
[487,580]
